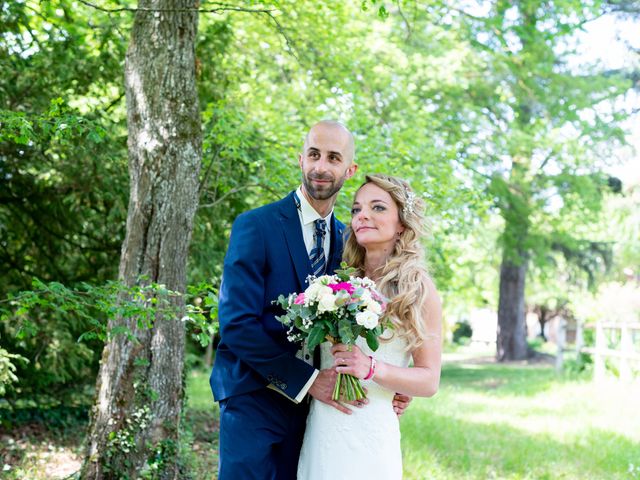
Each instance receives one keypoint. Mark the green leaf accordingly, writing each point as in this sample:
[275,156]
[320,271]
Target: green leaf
[316,336]
[141,362]
[87,336]
[330,328]
[357,330]
[282,301]
[372,340]
[204,339]
[345,332]
[153,394]
[345,272]
[210,301]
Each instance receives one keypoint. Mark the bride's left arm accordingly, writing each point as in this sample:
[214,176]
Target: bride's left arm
[420,380]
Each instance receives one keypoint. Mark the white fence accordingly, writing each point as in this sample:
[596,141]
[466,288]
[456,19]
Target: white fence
[617,342]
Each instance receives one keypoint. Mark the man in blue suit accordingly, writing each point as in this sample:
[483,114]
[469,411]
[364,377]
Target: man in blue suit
[261,381]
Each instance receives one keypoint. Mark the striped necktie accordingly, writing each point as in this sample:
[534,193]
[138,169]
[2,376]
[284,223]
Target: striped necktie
[318,262]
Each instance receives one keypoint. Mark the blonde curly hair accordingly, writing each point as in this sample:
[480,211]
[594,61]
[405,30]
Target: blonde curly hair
[403,277]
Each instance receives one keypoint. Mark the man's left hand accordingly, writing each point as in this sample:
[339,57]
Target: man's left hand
[400,403]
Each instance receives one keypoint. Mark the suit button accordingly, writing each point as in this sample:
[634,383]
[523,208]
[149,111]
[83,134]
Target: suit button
[307,356]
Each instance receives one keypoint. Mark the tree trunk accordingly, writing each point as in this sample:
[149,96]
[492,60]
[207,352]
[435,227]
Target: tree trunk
[512,338]
[543,318]
[511,342]
[208,355]
[139,391]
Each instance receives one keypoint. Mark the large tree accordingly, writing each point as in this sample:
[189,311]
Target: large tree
[135,420]
[546,125]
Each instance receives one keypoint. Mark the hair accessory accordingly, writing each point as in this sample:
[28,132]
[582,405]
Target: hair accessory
[408,204]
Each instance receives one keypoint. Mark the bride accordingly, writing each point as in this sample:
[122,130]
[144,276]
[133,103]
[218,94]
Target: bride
[384,245]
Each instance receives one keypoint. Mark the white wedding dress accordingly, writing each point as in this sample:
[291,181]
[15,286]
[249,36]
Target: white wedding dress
[363,445]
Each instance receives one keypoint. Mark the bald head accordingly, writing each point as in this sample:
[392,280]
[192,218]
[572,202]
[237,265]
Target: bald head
[326,162]
[337,133]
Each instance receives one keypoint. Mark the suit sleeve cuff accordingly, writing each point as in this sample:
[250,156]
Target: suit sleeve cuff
[306,387]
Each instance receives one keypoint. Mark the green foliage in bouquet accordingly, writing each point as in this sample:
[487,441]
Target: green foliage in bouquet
[336,308]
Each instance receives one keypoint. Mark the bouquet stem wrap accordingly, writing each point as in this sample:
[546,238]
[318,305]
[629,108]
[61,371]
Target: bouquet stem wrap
[348,387]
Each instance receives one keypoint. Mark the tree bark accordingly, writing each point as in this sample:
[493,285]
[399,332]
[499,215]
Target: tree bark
[511,342]
[544,315]
[139,391]
[512,338]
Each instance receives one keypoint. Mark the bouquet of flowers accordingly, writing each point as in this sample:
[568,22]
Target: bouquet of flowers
[337,308]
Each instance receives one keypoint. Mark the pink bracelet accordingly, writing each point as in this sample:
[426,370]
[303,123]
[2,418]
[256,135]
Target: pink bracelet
[372,369]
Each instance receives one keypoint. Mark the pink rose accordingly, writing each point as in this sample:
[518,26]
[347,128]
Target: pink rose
[380,299]
[299,299]
[346,286]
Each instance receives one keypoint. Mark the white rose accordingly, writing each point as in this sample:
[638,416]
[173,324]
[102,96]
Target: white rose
[367,319]
[324,291]
[374,307]
[327,302]
[312,291]
[366,297]
[316,291]
[365,282]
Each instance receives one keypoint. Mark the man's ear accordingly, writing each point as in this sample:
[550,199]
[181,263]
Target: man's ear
[351,171]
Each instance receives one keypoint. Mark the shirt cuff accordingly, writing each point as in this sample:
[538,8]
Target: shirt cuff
[307,386]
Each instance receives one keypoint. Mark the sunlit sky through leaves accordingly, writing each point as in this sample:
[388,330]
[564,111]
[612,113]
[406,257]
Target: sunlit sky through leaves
[607,40]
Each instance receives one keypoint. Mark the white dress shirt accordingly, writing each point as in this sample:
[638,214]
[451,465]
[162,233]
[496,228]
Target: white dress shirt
[308,215]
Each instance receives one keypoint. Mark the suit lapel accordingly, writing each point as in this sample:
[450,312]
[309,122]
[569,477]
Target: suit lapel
[335,256]
[290,222]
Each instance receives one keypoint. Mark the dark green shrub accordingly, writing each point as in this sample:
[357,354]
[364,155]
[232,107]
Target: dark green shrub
[462,332]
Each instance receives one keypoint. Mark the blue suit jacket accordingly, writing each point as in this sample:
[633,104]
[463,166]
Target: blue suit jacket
[266,258]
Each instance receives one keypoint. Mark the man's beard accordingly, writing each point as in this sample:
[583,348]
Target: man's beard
[325,193]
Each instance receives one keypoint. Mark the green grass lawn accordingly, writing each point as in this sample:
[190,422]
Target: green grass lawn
[496,421]
[522,422]
[487,421]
